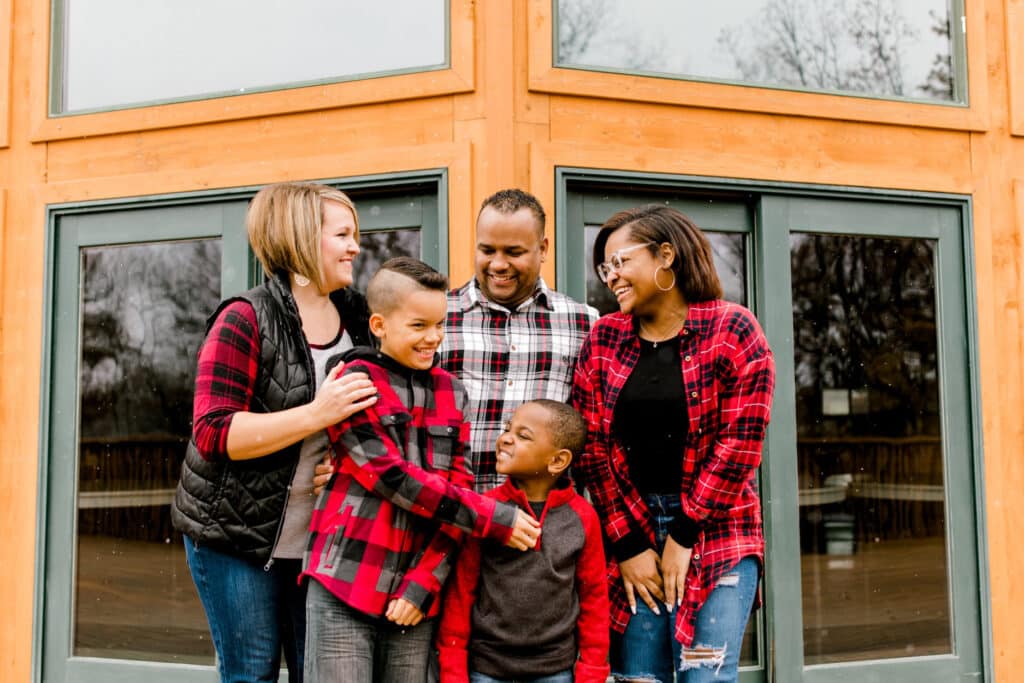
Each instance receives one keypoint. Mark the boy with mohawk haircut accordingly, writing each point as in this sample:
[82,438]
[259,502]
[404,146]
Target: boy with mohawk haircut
[385,529]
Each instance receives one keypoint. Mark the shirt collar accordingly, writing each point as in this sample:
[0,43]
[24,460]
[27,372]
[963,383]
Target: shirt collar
[472,296]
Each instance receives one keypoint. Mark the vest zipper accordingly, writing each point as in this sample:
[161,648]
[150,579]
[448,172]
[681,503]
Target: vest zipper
[311,385]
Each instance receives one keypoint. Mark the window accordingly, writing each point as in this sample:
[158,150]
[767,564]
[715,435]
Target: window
[112,54]
[869,469]
[880,48]
[133,284]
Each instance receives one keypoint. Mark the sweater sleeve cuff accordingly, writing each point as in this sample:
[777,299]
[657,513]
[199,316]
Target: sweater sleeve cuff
[630,545]
[684,530]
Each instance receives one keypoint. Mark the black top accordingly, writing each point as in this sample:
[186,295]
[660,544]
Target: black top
[651,420]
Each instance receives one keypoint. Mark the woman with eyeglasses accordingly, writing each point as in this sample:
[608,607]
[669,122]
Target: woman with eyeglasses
[676,389]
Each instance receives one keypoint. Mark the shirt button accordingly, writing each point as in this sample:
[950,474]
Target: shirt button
[510,382]
[512,348]
[687,358]
[692,393]
[696,556]
[686,331]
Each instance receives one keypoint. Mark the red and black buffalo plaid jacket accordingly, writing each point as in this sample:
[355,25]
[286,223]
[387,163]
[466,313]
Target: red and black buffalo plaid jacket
[728,376]
[390,519]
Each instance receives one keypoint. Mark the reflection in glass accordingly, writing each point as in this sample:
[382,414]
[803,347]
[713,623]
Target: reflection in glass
[872,501]
[124,52]
[888,48]
[730,261]
[143,312]
[377,246]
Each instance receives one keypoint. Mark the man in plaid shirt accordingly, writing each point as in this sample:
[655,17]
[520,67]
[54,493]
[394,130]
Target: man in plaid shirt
[508,337]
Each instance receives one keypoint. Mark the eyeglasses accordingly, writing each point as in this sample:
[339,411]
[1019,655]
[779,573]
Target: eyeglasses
[615,261]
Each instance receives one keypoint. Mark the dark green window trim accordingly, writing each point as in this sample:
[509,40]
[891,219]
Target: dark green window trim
[958,53]
[218,213]
[778,207]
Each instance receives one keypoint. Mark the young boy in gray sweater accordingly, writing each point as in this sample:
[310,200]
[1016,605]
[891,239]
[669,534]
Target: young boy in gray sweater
[542,614]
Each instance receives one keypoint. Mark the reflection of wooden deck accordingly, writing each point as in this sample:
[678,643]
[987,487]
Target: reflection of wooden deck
[888,599]
[136,600]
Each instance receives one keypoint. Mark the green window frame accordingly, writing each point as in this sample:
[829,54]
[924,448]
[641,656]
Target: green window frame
[586,196]
[394,201]
[58,52]
[958,71]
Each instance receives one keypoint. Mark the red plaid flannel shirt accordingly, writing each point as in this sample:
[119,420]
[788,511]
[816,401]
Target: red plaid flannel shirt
[391,518]
[728,376]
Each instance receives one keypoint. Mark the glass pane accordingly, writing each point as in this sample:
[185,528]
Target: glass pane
[143,309]
[872,499]
[125,52]
[888,48]
[378,246]
[730,261]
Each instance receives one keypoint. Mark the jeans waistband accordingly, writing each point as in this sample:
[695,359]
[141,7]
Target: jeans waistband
[663,504]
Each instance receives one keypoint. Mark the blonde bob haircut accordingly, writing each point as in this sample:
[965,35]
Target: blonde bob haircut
[284,223]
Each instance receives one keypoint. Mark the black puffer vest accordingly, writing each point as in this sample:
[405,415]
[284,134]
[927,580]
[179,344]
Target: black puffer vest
[236,506]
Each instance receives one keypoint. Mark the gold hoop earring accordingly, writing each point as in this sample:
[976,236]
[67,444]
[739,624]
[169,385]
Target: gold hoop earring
[658,284]
[301,280]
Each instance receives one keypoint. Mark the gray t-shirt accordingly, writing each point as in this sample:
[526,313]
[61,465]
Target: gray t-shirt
[292,542]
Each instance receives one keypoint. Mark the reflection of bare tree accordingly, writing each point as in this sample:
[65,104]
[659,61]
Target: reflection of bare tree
[143,316]
[838,45]
[856,45]
[589,35]
[940,78]
[378,246]
[578,23]
[864,317]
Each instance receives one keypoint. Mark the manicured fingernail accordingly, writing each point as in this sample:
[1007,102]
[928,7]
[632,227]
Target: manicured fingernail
[633,608]
[657,611]
[668,607]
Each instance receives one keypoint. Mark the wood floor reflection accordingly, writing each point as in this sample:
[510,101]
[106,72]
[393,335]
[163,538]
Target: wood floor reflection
[886,599]
[136,600]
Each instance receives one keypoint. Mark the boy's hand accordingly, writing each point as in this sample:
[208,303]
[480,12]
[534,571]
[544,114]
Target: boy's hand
[322,474]
[403,612]
[525,533]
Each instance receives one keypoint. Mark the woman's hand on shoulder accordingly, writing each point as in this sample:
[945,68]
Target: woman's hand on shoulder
[341,396]
[641,575]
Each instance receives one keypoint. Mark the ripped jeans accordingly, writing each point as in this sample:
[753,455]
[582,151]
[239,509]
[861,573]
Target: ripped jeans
[648,650]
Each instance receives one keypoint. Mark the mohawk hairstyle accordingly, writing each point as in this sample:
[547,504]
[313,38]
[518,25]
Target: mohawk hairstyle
[385,291]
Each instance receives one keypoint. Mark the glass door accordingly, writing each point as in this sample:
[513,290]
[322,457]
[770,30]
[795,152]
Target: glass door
[867,480]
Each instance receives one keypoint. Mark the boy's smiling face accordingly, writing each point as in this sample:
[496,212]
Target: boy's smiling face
[412,331]
[525,448]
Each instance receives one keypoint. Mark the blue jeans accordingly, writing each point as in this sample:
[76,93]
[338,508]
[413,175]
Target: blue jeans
[344,646]
[648,650]
[560,677]
[253,613]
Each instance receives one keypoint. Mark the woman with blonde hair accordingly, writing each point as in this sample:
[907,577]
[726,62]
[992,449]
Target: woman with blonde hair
[262,404]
